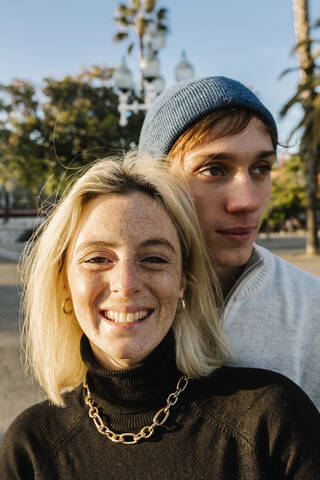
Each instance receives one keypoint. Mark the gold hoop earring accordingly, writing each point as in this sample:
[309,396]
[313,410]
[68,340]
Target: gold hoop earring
[67,306]
[181,305]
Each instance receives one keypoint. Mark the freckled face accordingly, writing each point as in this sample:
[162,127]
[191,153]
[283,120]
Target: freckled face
[231,184]
[124,271]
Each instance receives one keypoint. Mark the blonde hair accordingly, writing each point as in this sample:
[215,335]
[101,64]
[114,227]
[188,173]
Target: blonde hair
[52,339]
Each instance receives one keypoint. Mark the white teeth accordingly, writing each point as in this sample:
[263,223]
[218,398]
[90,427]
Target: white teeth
[121,317]
[130,317]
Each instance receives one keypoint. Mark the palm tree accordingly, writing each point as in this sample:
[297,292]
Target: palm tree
[306,95]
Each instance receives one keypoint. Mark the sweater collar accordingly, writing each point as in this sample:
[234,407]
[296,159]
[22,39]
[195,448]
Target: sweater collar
[130,397]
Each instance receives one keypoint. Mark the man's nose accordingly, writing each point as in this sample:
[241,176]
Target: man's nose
[125,278]
[242,195]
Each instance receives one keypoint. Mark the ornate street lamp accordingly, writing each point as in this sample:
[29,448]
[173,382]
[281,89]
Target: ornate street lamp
[184,70]
[153,40]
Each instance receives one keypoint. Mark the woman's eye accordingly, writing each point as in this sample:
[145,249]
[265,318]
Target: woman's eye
[97,260]
[153,259]
[213,171]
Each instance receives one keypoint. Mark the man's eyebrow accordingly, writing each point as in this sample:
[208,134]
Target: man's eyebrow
[158,241]
[209,157]
[266,154]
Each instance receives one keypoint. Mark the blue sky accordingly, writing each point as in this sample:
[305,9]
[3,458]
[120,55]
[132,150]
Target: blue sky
[249,40]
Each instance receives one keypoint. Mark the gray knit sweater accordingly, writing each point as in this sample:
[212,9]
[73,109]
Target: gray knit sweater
[272,320]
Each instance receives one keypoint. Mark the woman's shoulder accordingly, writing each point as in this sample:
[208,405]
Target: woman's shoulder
[45,424]
[245,399]
[246,385]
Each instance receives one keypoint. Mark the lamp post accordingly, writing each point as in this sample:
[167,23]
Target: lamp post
[153,82]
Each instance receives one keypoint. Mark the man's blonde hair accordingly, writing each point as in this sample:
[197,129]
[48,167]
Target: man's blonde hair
[52,338]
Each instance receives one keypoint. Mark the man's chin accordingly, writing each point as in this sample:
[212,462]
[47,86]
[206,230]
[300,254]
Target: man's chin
[235,258]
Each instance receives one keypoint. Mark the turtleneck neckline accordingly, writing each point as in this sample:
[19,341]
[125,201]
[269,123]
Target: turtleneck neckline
[130,397]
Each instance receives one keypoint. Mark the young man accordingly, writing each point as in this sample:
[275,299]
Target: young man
[223,140]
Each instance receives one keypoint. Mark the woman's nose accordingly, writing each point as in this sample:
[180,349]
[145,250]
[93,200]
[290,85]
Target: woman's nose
[242,195]
[125,279]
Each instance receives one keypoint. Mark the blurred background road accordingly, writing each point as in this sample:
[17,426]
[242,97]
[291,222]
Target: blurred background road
[17,390]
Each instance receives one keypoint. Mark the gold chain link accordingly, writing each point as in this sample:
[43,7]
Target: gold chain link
[145,432]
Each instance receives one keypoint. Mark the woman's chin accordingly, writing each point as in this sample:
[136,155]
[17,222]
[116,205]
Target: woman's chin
[124,353]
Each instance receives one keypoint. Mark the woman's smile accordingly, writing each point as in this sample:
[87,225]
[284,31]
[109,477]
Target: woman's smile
[125,276]
[126,320]
[126,317]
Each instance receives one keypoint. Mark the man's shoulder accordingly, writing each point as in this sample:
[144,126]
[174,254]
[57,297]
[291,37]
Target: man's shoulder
[283,271]
[268,276]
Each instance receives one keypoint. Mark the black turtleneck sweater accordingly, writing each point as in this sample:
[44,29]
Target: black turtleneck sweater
[236,424]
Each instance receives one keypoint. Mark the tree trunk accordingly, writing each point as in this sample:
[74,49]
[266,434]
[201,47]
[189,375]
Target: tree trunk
[6,210]
[312,240]
[302,31]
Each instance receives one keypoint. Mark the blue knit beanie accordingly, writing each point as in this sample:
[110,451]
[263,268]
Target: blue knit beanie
[179,107]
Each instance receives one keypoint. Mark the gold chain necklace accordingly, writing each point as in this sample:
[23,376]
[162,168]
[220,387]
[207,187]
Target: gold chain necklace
[145,432]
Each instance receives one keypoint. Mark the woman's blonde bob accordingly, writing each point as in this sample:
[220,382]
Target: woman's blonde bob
[52,337]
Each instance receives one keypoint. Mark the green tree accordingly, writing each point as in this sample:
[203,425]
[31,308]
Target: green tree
[75,122]
[307,96]
[288,197]
[81,122]
[21,149]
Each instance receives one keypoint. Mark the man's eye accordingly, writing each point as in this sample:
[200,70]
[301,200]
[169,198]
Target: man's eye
[213,171]
[261,169]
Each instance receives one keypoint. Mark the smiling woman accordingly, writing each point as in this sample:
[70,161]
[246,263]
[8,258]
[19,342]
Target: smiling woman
[123,333]
[125,281]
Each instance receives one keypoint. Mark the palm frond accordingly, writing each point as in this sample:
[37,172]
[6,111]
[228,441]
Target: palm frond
[136,4]
[121,10]
[306,42]
[149,5]
[294,130]
[119,36]
[162,27]
[292,101]
[130,48]
[162,13]
[288,70]
[123,21]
